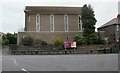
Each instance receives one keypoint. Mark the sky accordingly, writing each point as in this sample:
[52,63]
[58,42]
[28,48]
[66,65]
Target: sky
[12,16]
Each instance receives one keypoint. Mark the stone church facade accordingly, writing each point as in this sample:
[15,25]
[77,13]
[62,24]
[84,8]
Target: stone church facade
[48,23]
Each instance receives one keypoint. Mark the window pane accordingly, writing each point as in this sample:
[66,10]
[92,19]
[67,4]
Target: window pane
[37,19]
[66,23]
[79,23]
[51,22]
[37,23]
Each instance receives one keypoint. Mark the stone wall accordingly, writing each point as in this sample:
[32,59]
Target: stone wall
[108,32]
[60,50]
[59,23]
[49,37]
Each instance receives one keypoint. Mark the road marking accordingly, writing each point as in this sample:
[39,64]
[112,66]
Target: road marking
[25,70]
[15,62]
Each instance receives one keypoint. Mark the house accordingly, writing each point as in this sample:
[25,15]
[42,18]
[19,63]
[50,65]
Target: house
[50,22]
[110,30]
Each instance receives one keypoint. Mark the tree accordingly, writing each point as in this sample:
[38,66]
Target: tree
[9,39]
[5,42]
[89,22]
[12,38]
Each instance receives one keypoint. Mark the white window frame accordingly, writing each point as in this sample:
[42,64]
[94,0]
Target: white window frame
[37,23]
[52,23]
[79,23]
[66,23]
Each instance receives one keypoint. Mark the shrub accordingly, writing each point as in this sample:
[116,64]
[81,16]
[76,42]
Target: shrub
[9,39]
[43,43]
[100,41]
[27,41]
[79,39]
[5,42]
[38,42]
[94,40]
[12,38]
[58,41]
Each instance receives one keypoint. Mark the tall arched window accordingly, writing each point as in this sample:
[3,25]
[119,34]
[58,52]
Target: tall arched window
[37,22]
[66,22]
[79,23]
[52,22]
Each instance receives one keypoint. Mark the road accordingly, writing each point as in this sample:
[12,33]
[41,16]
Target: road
[101,62]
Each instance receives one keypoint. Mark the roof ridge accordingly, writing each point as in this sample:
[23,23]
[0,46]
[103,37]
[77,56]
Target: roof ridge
[56,6]
[111,22]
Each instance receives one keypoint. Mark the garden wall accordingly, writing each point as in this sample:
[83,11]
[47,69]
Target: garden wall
[60,50]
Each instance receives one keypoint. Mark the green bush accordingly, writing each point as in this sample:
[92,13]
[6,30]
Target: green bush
[43,43]
[100,41]
[79,39]
[9,39]
[5,42]
[91,39]
[27,41]
[83,40]
[38,42]
[12,38]
[58,41]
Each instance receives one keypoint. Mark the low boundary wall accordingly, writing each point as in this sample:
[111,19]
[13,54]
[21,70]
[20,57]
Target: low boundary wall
[58,50]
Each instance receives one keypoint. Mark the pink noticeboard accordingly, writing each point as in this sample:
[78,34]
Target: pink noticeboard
[70,44]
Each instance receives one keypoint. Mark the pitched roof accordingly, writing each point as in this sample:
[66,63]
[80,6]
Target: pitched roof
[111,22]
[52,10]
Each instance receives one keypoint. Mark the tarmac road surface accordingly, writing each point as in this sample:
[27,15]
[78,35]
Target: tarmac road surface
[101,62]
